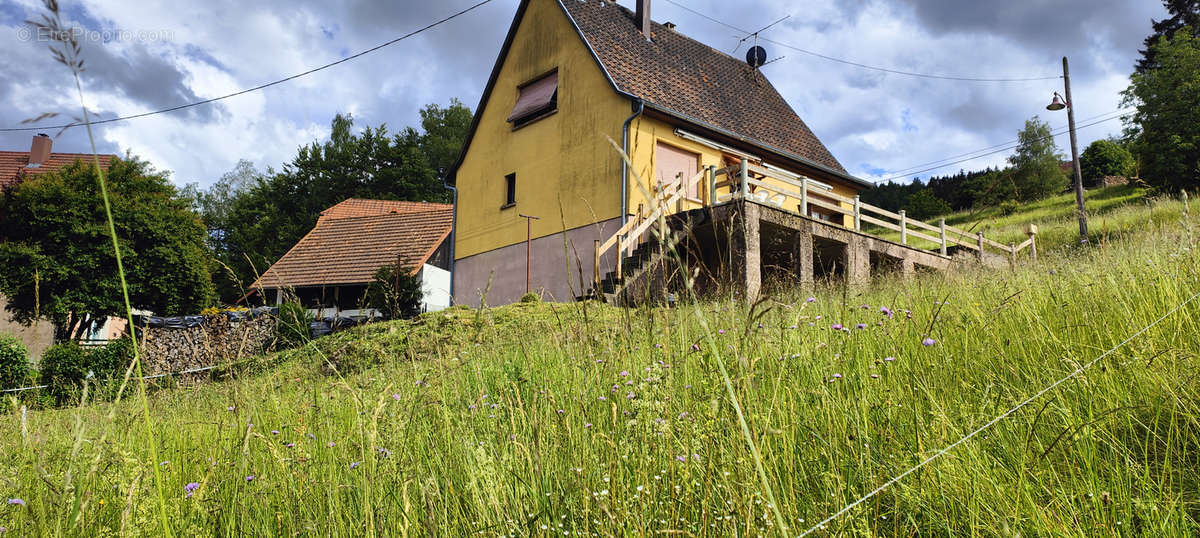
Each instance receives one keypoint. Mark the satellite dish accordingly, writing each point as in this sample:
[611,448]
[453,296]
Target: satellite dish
[756,56]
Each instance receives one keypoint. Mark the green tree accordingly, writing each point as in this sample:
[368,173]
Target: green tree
[57,255]
[1184,14]
[1036,164]
[395,297]
[1105,158]
[445,130]
[1165,128]
[923,205]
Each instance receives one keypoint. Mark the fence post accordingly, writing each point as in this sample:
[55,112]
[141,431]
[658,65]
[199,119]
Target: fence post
[804,197]
[1032,231]
[979,243]
[942,226]
[857,214]
[712,185]
[744,175]
[596,267]
[1012,258]
[903,228]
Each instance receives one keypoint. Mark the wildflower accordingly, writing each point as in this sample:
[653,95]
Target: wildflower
[165,463]
[812,299]
[311,436]
[695,347]
[624,373]
[886,311]
[630,396]
[838,326]
[290,445]
[250,478]
[353,464]
[874,376]
[603,398]
[861,326]
[720,331]
[384,452]
[818,318]
[866,307]
[332,444]
[696,457]
[889,359]
[230,408]
[274,432]
[560,411]
[588,425]
[681,459]
[396,397]
[190,488]
[17,502]
[837,376]
[928,341]
[640,488]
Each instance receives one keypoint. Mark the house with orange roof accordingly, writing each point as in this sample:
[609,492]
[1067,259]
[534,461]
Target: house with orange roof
[329,269]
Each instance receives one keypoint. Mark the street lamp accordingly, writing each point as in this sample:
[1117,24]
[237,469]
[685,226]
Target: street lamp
[1058,103]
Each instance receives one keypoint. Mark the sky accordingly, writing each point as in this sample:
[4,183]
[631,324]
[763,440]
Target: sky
[143,56]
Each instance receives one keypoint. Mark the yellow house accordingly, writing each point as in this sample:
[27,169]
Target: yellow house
[539,180]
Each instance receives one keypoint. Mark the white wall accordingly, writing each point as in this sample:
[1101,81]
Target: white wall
[435,284]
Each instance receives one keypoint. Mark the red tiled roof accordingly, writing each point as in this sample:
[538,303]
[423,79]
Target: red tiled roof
[12,164]
[360,207]
[694,81]
[350,249]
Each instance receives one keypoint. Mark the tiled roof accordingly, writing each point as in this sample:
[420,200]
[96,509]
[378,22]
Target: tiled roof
[12,164]
[350,249]
[692,80]
[359,207]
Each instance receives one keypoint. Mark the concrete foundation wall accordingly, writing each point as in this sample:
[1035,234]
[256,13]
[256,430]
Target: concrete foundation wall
[554,271]
[36,338]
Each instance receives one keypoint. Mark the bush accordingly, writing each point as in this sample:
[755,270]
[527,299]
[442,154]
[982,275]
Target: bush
[1105,158]
[293,326]
[531,297]
[395,297]
[15,370]
[110,361]
[64,369]
[1009,207]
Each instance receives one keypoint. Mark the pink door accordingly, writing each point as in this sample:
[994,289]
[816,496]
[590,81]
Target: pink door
[671,161]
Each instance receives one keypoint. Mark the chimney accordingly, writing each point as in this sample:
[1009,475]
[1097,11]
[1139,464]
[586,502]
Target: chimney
[39,153]
[643,17]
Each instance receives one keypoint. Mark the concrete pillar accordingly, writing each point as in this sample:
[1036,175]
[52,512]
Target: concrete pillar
[907,267]
[802,254]
[747,252]
[858,261]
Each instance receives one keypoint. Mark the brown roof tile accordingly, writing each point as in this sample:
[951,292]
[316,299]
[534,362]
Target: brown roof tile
[360,207]
[12,164]
[350,249]
[692,80]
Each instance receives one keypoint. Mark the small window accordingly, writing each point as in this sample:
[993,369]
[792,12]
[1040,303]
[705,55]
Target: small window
[536,100]
[510,191]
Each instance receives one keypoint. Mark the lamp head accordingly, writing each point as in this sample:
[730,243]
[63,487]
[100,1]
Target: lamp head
[1057,103]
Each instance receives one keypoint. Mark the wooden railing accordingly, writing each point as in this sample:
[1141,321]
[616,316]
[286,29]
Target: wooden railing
[749,181]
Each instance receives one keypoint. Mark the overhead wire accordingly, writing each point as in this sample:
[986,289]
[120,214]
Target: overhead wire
[262,86]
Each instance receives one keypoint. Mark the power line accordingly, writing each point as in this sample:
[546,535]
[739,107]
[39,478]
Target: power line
[1000,417]
[861,65]
[1001,150]
[1057,132]
[261,86]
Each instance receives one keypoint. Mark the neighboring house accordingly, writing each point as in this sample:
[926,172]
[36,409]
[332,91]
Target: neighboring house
[15,167]
[573,75]
[331,266]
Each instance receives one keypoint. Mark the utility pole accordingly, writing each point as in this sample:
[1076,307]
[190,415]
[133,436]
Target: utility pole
[528,245]
[1070,106]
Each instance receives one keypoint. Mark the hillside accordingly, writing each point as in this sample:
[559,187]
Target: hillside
[588,420]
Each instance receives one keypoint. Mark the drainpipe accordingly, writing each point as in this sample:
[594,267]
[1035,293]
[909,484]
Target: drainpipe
[640,106]
[453,235]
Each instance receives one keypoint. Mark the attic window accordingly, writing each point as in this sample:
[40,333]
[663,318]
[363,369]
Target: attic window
[537,99]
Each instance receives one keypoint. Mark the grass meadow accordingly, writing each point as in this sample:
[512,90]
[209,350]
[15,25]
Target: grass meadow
[540,419]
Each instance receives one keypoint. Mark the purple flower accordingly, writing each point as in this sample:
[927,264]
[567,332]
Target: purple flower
[630,396]
[928,341]
[696,457]
[275,432]
[588,425]
[190,488]
[818,318]
[396,397]
[624,373]
[603,398]
[874,376]
[720,331]
[838,326]
[250,478]
[353,464]
[560,411]
[837,376]
[332,444]
[889,359]
[812,299]
[861,326]
[886,311]
[230,408]
[290,445]
[18,502]
[695,347]
[682,459]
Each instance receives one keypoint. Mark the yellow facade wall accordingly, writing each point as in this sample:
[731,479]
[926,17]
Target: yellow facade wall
[567,172]
[647,132]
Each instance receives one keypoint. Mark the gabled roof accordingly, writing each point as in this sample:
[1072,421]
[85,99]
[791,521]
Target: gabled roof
[682,78]
[679,75]
[361,207]
[12,164]
[350,249]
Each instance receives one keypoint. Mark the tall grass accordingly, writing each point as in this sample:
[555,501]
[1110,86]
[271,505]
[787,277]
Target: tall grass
[534,419]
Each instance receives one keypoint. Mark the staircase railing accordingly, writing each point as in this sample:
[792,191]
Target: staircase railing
[667,199]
